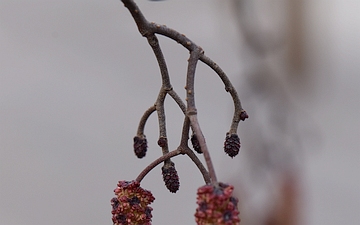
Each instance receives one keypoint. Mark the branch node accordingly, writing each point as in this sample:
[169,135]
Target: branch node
[192,112]
[167,89]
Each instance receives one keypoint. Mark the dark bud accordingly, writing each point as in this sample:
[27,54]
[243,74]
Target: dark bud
[195,143]
[170,177]
[243,115]
[162,142]
[140,146]
[232,144]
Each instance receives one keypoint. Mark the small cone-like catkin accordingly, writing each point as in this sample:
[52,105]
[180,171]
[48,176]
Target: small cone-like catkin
[232,145]
[195,143]
[140,146]
[170,177]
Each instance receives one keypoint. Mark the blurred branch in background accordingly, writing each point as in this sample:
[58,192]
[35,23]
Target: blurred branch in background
[273,54]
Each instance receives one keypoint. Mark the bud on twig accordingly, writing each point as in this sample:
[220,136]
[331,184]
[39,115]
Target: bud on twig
[243,115]
[162,142]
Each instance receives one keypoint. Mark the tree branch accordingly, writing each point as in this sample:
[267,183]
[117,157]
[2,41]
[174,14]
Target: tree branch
[148,30]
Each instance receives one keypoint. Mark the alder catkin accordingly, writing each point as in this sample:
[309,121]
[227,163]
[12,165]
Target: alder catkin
[140,146]
[216,205]
[232,144]
[170,177]
[195,143]
[130,206]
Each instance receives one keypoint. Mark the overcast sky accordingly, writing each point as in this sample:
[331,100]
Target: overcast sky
[76,77]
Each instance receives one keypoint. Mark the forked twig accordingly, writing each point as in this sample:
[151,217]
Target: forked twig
[149,30]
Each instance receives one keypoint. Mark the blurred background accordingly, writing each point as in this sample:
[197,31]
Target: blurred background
[76,76]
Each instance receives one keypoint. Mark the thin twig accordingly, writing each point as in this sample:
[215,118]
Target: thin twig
[171,154]
[197,162]
[154,43]
[185,132]
[166,86]
[185,149]
[192,112]
[178,100]
[144,118]
[157,162]
[161,118]
[229,88]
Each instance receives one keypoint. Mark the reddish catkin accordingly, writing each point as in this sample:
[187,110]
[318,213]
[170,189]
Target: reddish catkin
[130,206]
[216,205]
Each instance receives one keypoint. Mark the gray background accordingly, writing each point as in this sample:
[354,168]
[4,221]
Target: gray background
[76,76]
